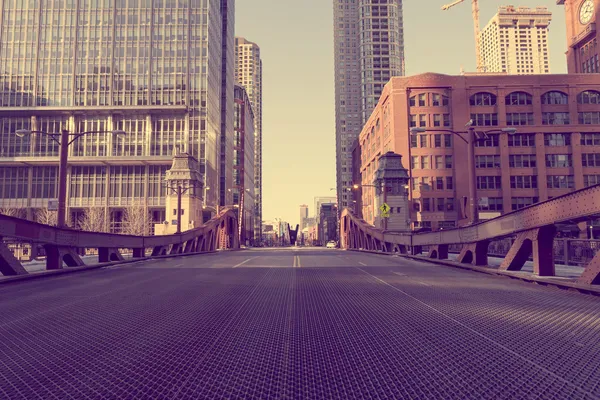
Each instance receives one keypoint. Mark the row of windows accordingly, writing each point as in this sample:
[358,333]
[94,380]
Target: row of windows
[529,160]
[496,203]
[426,183]
[424,162]
[523,98]
[521,119]
[436,140]
[528,140]
[526,182]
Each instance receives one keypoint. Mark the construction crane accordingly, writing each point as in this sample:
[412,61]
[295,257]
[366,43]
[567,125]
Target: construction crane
[475,6]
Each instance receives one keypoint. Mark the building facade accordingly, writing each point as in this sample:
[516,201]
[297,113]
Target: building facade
[369,50]
[555,150]
[328,223]
[151,69]
[583,18]
[303,216]
[248,73]
[515,41]
[243,164]
[322,200]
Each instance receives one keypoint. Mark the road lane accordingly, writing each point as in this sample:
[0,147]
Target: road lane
[295,323]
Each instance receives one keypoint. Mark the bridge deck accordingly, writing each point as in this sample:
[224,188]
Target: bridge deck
[315,324]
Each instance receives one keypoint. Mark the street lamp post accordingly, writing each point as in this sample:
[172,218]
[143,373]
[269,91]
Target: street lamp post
[472,137]
[64,140]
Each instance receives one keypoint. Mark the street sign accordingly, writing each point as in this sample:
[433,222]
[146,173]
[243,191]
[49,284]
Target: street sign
[52,205]
[385,210]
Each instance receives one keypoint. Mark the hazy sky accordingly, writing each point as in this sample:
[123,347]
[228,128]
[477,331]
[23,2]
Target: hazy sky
[296,40]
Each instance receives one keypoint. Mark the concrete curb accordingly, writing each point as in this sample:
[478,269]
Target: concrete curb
[550,281]
[70,270]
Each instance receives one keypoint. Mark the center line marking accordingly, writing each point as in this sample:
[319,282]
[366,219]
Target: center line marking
[244,262]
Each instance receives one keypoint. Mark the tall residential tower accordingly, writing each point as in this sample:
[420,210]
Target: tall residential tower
[515,41]
[248,73]
[369,50]
[150,68]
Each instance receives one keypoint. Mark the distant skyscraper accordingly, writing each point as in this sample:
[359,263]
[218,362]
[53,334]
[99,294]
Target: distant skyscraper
[303,215]
[369,50]
[150,68]
[248,73]
[515,41]
[322,200]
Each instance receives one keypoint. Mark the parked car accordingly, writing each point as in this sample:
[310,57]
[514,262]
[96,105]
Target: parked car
[331,244]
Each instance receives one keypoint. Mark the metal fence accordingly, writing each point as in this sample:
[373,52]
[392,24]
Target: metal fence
[578,251]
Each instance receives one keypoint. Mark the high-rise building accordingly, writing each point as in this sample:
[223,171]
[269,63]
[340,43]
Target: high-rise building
[322,200]
[515,41]
[243,164]
[248,73]
[303,215]
[583,18]
[150,68]
[227,101]
[555,149]
[369,50]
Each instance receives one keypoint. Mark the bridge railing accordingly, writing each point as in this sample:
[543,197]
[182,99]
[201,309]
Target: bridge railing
[517,236]
[64,246]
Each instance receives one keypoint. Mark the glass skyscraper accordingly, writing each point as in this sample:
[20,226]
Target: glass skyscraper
[369,50]
[152,68]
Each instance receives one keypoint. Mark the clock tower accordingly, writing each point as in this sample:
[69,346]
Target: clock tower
[582,35]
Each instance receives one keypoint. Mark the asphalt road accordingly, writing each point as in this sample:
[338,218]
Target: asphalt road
[310,323]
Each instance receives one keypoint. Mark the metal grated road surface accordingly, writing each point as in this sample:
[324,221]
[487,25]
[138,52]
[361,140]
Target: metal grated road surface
[389,331]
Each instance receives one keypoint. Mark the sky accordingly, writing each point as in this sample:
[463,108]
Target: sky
[296,41]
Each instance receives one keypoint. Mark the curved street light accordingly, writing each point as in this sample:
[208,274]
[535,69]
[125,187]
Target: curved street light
[63,139]
[472,137]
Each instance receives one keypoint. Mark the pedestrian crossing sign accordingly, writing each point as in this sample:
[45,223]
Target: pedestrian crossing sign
[385,210]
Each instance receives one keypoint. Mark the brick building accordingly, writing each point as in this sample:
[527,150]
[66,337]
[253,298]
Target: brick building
[556,148]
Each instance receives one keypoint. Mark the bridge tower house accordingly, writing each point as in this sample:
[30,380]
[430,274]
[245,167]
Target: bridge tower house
[182,180]
[391,188]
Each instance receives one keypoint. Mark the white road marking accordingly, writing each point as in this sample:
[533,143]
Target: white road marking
[244,262]
[364,265]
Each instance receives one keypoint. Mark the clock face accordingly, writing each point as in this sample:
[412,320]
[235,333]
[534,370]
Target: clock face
[586,11]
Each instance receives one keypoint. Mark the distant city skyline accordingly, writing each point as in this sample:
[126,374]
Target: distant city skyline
[298,90]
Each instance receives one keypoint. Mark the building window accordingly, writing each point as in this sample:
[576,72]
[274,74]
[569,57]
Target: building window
[439,162]
[448,140]
[489,182]
[449,183]
[560,182]
[522,161]
[590,139]
[424,162]
[426,204]
[590,160]
[555,118]
[523,182]
[423,140]
[518,99]
[488,119]
[492,140]
[490,204]
[483,99]
[557,139]
[513,119]
[446,224]
[422,120]
[589,118]
[521,140]
[440,204]
[422,100]
[559,160]
[448,160]
[591,180]
[491,161]
[412,101]
[521,202]
[588,97]
[446,119]
[439,183]
[437,140]
[414,162]
[435,100]
[555,97]
[437,120]
[450,204]
[413,120]
[413,141]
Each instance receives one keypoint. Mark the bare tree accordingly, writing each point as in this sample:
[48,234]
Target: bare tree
[93,220]
[13,212]
[136,221]
[46,217]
